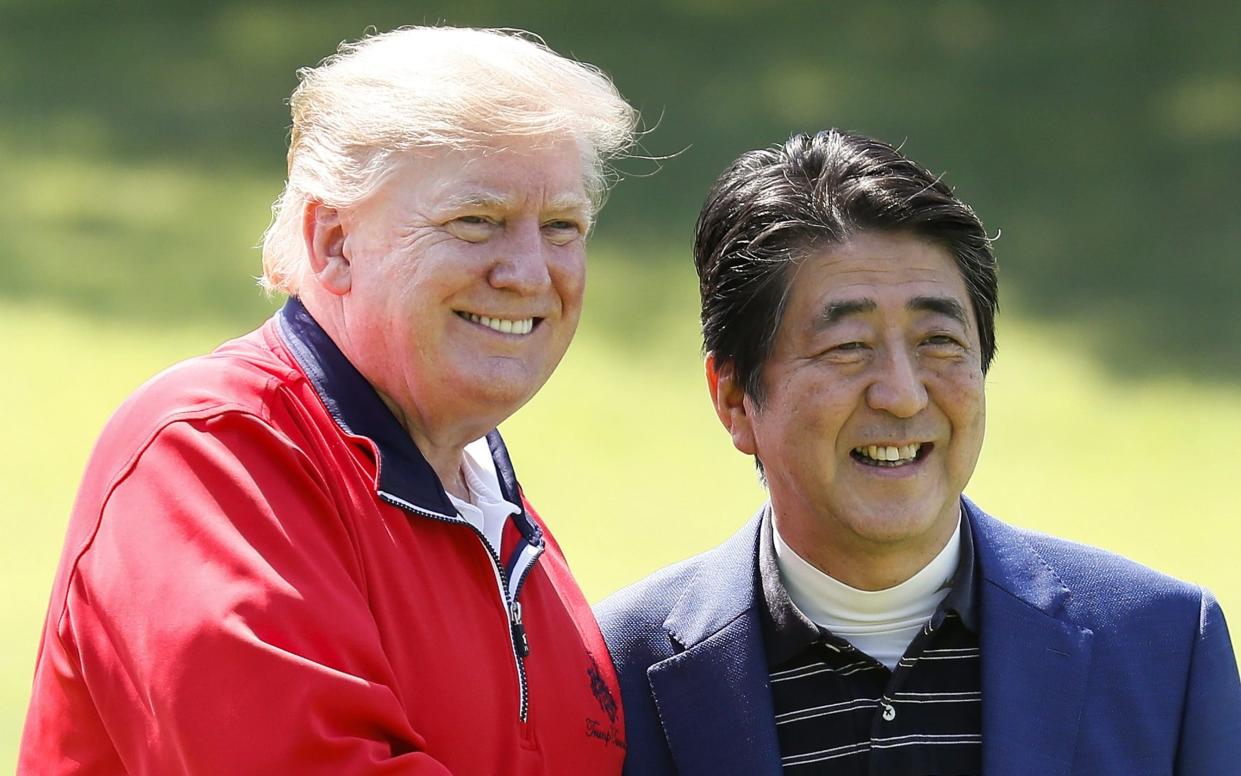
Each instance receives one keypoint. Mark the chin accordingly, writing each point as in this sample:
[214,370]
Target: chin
[894,525]
[508,396]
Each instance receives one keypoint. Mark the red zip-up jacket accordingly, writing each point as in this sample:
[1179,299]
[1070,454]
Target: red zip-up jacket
[262,575]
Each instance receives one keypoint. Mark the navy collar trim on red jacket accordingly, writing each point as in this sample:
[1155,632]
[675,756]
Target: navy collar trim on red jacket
[404,474]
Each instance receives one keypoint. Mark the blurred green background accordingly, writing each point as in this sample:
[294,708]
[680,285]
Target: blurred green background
[141,145]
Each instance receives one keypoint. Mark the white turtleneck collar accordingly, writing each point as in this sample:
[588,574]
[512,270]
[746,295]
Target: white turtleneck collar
[880,623]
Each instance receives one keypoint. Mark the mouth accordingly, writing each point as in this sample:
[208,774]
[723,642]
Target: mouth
[891,456]
[516,326]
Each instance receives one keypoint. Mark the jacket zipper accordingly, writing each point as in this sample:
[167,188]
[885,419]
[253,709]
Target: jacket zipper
[519,645]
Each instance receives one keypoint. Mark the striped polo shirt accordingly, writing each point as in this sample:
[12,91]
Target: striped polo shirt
[841,712]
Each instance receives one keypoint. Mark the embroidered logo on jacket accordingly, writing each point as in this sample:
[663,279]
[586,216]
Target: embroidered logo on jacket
[608,732]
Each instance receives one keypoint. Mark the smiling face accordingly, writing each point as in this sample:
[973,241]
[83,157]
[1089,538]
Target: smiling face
[872,412]
[464,276]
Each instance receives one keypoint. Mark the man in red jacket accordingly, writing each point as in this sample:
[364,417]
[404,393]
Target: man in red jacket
[307,552]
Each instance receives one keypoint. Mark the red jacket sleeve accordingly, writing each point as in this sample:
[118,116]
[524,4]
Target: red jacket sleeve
[217,622]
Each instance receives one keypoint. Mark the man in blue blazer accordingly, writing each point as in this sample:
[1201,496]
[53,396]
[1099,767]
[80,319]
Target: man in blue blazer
[870,619]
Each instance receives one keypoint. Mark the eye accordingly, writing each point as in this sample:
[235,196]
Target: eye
[846,352]
[471,228]
[944,343]
[563,231]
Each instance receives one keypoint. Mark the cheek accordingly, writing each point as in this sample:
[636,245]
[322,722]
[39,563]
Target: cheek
[963,399]
[959,383]
[973,398]
[807,407]
[825,397]
[568,272]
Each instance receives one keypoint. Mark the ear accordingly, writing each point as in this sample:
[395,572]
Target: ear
[733,407]
[324,236]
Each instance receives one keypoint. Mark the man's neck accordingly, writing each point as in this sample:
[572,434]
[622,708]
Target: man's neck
[445,457]
[442,444]
[862,564]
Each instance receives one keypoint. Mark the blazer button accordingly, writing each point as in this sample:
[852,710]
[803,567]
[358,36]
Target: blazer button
[889,713]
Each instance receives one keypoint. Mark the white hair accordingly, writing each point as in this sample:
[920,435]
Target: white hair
[418,88]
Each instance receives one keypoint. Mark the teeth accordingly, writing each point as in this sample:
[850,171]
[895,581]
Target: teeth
[502,325]
[890,453]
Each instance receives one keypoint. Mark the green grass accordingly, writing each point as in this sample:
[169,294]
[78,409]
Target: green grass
[137,175]
[621,451]
[622,454]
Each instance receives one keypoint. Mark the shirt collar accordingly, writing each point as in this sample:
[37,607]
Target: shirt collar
[787,632]
[404,476]
[962,599]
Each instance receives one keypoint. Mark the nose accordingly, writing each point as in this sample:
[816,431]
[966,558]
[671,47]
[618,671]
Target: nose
[897,387]
[522,262]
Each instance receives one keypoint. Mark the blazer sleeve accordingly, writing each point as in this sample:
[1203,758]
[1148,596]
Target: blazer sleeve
[218,623]
[1211,725]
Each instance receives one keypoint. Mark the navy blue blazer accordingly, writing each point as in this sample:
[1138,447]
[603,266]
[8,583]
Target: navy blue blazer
[1091,664]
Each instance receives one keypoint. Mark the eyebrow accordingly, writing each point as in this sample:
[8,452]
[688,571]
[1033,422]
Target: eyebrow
[569,202]
[943,305]
[835,312]
[492,200]
[472,199]
[838,311]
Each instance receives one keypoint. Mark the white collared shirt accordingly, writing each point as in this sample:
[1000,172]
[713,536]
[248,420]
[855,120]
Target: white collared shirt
[487,510]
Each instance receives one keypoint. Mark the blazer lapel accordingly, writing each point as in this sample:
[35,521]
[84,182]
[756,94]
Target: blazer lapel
[1035,666]
[713,698]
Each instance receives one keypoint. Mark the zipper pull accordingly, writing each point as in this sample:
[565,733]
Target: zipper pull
[519,631]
